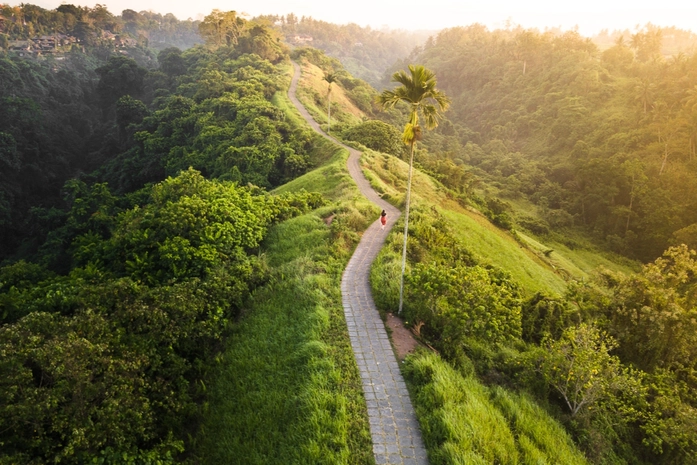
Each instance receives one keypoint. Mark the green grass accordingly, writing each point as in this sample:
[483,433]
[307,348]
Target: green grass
[493,246]
[579,262]
[288,390]
[331,179]
[465,422]
[489,244]
[538,434]
[312,93]
[280,99]
[573,253]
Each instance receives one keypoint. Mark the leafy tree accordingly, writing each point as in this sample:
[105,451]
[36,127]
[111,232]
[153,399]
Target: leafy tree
[221,28]
[687,236]
[456,303]
[171,62]
[376,135]
[190,228]
[119,77]
[544,317]
[579,366]
[418,90]
[129,111]
[262,40]
[652,314]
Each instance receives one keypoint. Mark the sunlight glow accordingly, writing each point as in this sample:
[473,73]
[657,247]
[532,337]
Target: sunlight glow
[589,16]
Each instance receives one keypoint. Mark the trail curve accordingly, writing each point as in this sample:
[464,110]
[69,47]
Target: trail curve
[393,426]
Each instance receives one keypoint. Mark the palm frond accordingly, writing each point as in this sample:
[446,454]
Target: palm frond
[331,77]
[431,116]
[388,99]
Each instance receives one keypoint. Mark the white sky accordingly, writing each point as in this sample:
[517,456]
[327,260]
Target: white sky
[589,15]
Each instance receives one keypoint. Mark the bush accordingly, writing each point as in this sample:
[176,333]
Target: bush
[377,136]
[462,302]
[534,225]
[544,316]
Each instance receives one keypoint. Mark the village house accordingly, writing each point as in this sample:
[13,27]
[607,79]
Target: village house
[38,46]
[302,38]
[44,43]
[58,44]
[20,47]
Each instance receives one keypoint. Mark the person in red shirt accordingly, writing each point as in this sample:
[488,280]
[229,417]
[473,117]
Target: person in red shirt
[383,219]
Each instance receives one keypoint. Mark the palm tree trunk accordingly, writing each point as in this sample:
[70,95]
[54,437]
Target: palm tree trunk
[329,111]
[665,158]
[629,215]
[406,230]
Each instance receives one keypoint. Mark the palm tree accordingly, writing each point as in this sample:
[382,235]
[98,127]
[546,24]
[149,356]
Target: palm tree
[418,90]
[330,78]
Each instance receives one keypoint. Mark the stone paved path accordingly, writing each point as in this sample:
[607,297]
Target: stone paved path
[393,425]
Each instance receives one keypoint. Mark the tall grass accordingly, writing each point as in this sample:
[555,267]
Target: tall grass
[288,390]
[539,435]
[465,422]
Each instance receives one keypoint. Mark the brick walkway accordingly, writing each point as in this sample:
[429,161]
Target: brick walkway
[393,425]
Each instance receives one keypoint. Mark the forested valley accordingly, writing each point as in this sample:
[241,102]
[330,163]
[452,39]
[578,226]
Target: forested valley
[125,261]
[140,240]
[606,141]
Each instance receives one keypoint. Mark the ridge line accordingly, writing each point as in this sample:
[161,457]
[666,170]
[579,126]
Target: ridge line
[394,428]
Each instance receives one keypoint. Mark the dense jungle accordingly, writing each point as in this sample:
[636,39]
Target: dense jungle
[173,237]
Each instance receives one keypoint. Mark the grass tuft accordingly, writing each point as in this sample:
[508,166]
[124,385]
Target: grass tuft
[465,422]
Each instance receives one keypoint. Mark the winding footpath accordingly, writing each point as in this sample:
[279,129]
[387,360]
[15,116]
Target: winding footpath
[393,425]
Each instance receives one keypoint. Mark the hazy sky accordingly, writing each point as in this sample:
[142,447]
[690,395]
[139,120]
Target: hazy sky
[589,15]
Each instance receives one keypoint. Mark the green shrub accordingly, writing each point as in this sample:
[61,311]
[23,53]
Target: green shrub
[461,302]
[545,316]
[377,136]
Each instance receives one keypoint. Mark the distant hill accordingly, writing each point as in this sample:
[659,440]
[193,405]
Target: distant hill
[365,52]
[96,27]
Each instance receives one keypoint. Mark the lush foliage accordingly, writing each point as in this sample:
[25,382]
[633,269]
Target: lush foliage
[366,53]
[461,302]
[147,29]
[218,119]
[96,108]
[603,141]
[110,333]
[46,122]
[578,365]
[112,356]
[627,401]
[376,135]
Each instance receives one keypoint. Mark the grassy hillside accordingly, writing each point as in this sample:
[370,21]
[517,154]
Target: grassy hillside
[465,422]
[289,390]
[523,258]
[312,92]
